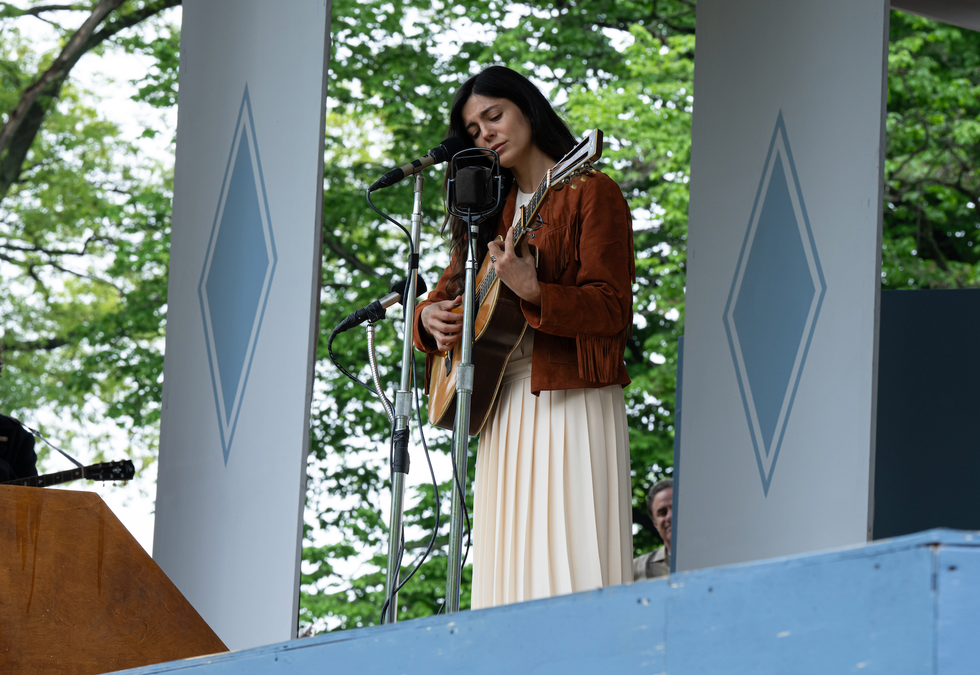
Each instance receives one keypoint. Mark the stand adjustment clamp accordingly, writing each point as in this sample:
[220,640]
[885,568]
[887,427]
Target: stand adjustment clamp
[403,405]
[464,377]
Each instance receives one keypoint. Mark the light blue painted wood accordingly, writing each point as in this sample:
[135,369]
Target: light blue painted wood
[868,609]
[958,613]
[617,628]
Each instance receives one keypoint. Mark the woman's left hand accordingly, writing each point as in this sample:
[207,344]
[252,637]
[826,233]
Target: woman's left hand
[518,272]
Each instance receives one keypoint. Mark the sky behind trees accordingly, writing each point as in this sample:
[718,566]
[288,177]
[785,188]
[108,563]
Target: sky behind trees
[85,221]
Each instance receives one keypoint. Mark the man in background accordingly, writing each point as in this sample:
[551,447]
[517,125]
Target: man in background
[17,457]
[660,506]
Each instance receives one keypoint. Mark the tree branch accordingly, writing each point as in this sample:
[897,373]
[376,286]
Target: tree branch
[58,71]
[36,345]
[52,252]
[24,122]
[349,257]
[11,10]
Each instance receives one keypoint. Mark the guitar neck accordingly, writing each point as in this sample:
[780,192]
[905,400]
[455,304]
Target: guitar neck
[531,208]
[48,479]
[578,160]
[104,471]
[528,213]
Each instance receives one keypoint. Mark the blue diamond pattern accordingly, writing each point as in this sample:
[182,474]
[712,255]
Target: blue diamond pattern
[774,303]
[237,275]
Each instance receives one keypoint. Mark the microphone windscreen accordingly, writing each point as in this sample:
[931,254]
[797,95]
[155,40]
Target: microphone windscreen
[449,147]
[473,188]
[399,287]
[420,287]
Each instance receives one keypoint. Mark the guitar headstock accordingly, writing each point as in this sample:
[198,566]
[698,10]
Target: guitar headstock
[578,161]
[114,471]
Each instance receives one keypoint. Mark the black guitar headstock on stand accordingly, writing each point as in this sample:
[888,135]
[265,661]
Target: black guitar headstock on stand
[105,471]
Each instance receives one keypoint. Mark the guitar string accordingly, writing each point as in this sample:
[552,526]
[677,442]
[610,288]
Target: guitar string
[531,208]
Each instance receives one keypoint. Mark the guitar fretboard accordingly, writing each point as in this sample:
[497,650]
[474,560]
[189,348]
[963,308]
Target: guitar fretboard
[529,211]
[578,160]
[48,479]
[104,471]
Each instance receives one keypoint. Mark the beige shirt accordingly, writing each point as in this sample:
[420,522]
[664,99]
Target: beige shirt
[652,565]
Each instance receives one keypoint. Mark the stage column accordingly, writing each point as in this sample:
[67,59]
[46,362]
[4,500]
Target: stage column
[783,280]
[242,311]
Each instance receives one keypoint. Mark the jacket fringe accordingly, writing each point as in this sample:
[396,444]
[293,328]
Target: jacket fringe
[599,357]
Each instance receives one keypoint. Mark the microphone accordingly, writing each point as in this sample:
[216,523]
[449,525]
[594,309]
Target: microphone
[376,310]
[473,188]
[437,155]
[475,185]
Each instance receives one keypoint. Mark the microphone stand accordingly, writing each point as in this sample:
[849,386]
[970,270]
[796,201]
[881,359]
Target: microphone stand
[464,394]
[464,382]
[403,416]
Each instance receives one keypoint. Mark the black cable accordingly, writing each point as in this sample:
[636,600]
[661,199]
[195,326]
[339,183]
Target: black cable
[457,481]
[435,487]
[337,331]
[411,244]
[398,565]
[401,538]
[432,473]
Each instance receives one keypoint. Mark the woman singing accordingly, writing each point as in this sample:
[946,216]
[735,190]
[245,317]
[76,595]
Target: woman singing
[552,494]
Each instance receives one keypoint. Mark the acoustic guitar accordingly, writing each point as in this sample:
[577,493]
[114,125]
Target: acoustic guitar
[499,324]
[122,470]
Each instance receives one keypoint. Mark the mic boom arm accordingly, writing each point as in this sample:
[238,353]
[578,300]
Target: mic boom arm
[437,155]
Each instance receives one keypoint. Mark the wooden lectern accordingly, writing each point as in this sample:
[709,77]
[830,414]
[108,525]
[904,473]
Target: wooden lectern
[79,595]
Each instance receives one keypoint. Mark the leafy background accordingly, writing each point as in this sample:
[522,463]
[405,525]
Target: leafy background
[85,225]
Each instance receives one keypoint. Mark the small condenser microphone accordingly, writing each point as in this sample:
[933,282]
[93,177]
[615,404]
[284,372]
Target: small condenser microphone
[376,310]
[437,155]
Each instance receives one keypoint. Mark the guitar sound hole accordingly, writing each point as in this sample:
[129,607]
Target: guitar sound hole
[449,362]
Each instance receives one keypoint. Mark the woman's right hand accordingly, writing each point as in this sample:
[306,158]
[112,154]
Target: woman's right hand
[442,324]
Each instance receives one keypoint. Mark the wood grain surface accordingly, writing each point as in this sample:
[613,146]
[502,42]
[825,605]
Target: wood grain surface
[79,595]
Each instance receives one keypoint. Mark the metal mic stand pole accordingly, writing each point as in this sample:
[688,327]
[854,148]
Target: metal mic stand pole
[403,415]
[461,436]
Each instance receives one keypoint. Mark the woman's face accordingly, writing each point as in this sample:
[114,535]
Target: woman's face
[498,124]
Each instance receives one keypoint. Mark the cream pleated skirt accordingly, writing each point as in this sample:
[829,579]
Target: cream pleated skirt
[552,511]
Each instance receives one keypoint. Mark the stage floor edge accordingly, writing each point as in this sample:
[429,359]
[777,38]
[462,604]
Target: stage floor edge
[904,605]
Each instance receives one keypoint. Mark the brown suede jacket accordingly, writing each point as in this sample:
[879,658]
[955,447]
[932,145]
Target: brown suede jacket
[586,271]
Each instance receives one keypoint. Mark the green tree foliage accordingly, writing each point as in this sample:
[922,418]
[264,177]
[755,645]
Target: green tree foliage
[628,68]
[932,186]
[84,227]
[395,98]
[84,231]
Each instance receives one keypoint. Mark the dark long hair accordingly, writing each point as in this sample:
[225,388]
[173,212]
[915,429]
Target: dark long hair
[548,131]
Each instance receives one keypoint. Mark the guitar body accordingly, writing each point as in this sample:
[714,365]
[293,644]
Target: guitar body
[498,330]
[500,325]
